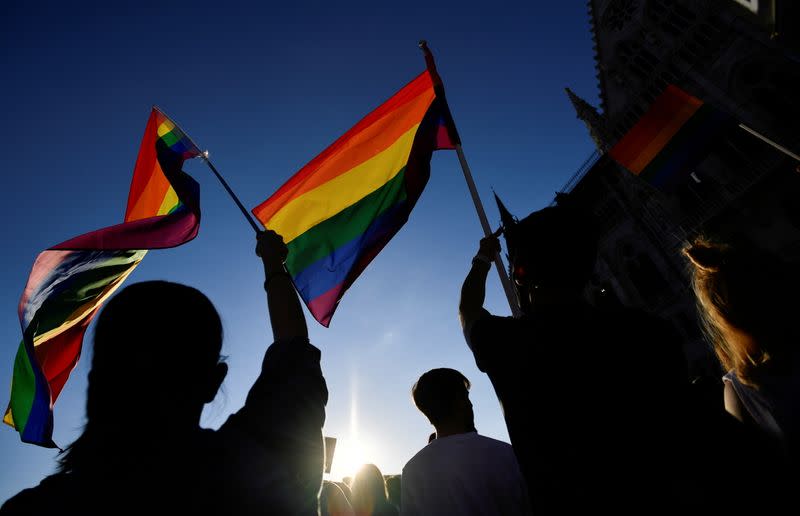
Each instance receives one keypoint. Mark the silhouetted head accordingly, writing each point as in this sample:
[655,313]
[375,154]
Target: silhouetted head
[747,300]
[333,501]
[344,485]
[155,363]
[443,396]
[369,489]
[156,345]
[551,252]
[394,489]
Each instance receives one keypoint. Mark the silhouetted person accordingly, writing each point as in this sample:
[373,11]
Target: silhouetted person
[369,493]
[460,472]
[156,362]
[333,501]
[747,300]
[394,489]
[345,487]
[592,396]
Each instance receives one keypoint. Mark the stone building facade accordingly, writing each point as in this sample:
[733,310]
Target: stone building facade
[733,59]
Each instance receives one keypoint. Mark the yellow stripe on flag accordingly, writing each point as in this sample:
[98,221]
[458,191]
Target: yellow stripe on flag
[311,208]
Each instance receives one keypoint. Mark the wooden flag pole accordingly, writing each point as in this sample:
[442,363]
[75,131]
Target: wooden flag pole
[770,142]
[230,192]
[487,230]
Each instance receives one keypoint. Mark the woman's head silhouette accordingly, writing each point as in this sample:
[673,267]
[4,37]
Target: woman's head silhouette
[155,363]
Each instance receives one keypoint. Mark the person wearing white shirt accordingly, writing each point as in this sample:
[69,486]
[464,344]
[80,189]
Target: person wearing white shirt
[460,472]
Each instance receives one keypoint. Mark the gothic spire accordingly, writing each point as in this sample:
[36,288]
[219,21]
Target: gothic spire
[505,216]
[595,122]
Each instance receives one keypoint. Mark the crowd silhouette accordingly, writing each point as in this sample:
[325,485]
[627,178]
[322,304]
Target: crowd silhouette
[597,399]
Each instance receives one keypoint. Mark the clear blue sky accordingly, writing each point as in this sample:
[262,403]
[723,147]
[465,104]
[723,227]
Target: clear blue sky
[265,89]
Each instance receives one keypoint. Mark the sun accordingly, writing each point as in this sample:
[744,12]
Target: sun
[349,455]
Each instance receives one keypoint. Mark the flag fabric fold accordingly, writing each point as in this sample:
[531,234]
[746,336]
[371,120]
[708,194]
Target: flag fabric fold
[344,206]
[674,135]
[69,282]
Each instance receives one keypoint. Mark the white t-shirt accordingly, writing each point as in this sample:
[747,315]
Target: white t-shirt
[464,474]
[773,405]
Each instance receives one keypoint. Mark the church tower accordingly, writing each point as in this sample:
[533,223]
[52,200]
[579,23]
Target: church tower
[594,121]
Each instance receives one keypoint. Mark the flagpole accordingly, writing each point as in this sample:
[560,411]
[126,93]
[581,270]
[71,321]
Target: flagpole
[487,231]
[770,142]
[476,200]
[246,214]
[204,157]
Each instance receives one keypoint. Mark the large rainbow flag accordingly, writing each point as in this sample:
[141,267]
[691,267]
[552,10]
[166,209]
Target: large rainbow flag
[344,206]
[674,135]
[70,281]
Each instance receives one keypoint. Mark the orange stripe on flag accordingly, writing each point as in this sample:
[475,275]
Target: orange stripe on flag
[149,203]
[661,138]
[373,134]
[149,184]
[655,129]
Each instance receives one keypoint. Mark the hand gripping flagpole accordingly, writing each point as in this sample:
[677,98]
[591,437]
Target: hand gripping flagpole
[487,230]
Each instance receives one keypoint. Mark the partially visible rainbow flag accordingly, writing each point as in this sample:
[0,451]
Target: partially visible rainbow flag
[344,206]
[674,135]
[70,281]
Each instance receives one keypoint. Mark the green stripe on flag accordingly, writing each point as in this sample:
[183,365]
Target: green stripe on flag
[330,234]
[170,138]
[84,287]
[23,388]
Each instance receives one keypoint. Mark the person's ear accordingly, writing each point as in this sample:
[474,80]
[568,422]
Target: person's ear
[220,371]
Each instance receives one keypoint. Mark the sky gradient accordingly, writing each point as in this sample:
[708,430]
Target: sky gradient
[265,89]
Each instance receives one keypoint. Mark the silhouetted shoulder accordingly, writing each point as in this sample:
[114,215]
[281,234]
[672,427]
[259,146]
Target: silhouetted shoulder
[54,494]
[492,337]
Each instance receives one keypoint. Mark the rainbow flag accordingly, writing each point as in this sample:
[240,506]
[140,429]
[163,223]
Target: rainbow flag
[69,282]
[344,206]
[673,136]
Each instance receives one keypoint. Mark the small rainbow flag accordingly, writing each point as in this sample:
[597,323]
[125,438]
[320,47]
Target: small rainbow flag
[69,282]
[344,206]
[674,135]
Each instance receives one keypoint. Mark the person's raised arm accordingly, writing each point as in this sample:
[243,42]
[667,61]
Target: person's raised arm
[285,313]
[473,291]
[278,432]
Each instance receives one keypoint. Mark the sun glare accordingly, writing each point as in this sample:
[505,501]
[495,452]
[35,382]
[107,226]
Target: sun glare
[353,451]
[349,455]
